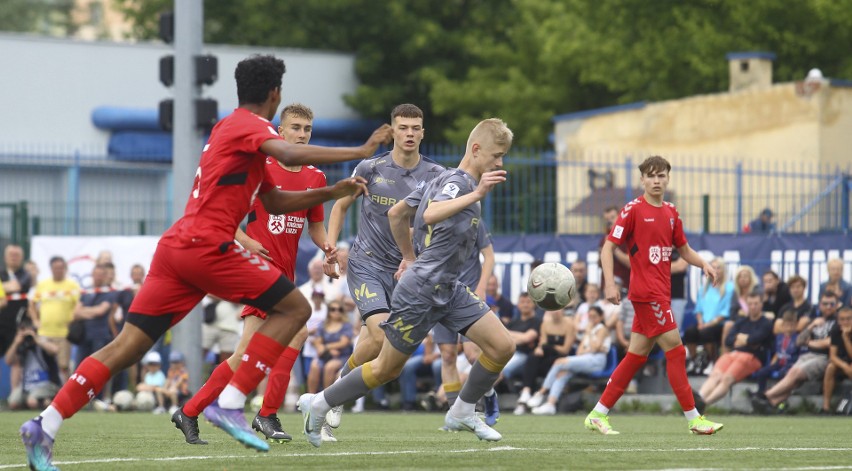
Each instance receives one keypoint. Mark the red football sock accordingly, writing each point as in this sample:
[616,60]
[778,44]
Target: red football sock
[676,370]
[279,380]
[620,378]
[261,354]
[86,382]
[210,390]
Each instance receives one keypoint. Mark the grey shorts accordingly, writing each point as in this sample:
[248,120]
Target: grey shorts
[370,287]
[813,365]
[417,307]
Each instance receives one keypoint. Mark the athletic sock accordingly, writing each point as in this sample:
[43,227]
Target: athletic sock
[210,390]
[86,382]
[352,386]
[490,392]
[620,378]
[261,353]
[676,370]
[451,391]
[481,379]
[51,420]
[461,408]
[348,366]
[279,380]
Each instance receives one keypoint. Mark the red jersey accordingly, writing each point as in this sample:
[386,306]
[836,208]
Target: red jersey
[280,234]
[650,233]
[229,176]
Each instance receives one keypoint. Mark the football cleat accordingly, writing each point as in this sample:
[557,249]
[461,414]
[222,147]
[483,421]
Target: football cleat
[472,424]
[492,410]
[333,416]
[189,426]
[312,422]
[39,446]
[598,422]
[270,427]
[233,422]
[326,434]
[702,426]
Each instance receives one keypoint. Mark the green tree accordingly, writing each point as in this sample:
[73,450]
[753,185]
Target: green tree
[528,60]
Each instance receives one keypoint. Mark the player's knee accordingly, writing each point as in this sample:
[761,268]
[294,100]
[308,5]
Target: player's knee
[448,356]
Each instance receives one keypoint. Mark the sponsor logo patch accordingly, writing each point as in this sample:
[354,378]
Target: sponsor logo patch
[618,231]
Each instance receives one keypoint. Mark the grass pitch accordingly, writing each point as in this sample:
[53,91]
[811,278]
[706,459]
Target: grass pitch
[140,441]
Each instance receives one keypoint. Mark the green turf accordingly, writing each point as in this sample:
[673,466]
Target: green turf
[90,441]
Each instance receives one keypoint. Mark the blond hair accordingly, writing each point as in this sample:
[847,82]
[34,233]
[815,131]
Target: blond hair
[752,284]
[721,275]
[297,110]
[492,128]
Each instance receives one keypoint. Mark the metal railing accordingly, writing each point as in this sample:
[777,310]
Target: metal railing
[86,193]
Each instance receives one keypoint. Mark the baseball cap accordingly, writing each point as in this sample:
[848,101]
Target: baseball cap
[152,358]
[176,357]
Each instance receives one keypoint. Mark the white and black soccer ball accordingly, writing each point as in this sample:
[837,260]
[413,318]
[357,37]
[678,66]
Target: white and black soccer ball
[551,286]
[145,401]
[123,400]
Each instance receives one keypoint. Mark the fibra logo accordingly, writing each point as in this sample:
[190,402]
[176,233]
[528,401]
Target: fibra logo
[385,180]
[420,185]
[363,292]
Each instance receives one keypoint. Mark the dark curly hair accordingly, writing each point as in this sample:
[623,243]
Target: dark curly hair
[256,77]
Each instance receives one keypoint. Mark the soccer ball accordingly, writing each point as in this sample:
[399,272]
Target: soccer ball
[123,400]
[551,286]
[145,401]
[256,403]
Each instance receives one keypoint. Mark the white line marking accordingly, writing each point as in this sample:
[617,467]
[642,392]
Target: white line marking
[469,450]
[271,455]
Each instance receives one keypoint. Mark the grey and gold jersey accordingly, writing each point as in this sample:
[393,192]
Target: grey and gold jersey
[444,248]
[472,269]
[387,183]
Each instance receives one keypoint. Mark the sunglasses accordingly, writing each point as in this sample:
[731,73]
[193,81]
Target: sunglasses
[337,309]
[827,303]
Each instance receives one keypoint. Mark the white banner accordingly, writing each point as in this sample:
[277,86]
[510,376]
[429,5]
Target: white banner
[81,253]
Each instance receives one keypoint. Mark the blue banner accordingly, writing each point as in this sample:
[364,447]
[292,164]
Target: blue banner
[788,254]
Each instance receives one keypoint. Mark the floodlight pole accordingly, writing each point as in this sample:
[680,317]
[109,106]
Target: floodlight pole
[186,153]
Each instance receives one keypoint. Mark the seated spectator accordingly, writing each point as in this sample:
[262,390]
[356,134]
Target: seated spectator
[786,350]
[319,311]
[711,311]
[500,304]
[612,312]
[154,380]
[419,364]
[836,283]
[221,328]
[590,357]
[763,224]
[750,340]
[799,304]
[839,356]
[35,356]
[333,344]
[581,316]
[177,381]
[524,331]
[811,364]
[580,271]
[745,283]
[555,340]
[776,293]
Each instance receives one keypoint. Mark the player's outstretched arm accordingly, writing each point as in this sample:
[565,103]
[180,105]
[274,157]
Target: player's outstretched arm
[336,217]
[282,202]
[692,258]
[304,154]
[438,211]
[399,216]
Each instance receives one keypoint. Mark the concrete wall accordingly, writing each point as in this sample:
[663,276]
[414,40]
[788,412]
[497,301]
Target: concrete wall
[49,87]
[775,130]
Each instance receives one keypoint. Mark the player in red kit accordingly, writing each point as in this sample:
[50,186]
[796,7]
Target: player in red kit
[650,227]
[197,255]
[275,238]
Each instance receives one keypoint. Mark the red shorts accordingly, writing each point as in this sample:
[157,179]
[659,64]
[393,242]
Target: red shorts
[180,277]
[653,318]
[740,365]
[252,311]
